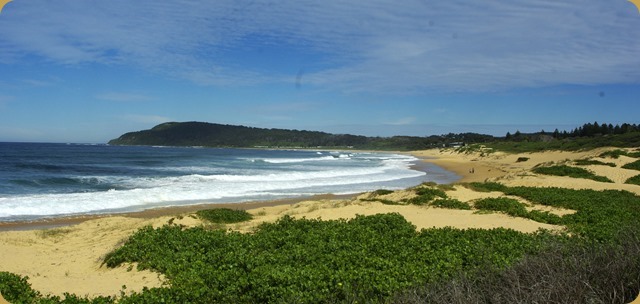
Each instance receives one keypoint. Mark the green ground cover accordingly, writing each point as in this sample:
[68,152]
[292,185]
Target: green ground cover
[633,180]
[634,165]
[575,172]
[224,215]
[588,162]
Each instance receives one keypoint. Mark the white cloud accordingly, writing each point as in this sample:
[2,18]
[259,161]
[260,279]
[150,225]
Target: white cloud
[374,46]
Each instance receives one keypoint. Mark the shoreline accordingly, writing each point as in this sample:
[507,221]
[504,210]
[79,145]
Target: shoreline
[421,165]
[64,221]
[69,259]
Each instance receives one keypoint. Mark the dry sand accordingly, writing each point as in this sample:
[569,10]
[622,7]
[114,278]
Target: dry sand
[68,259]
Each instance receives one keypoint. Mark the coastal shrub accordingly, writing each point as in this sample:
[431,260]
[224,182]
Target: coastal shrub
[613,153]
[16,289]
[430,193]
[383,201]
[420,200]
[486,187]
[425,195]
[633,180]
[599,215]
[224,215]
[382,192]
[588,162]
[522,159]
[566,272]
[544,217]
[446,187]
[451,203]
[507,205]
[634,165]
[366,259]
[515,208]
[564,170]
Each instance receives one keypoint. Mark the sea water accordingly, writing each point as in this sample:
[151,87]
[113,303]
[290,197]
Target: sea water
[49,180]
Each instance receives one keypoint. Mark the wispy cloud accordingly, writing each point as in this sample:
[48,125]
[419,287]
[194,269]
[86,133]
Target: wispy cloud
[123,97]
[377,46]
[146,119]
[402,121]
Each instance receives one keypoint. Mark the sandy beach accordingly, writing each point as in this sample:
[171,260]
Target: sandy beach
[68,257]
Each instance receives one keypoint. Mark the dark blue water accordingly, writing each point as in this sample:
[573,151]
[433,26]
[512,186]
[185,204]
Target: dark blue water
[45,180]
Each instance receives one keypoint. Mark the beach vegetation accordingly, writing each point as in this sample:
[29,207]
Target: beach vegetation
[53,232]
[522,159]
[450,203]
[382,192]
[590,162]
[365,259]
[613,153]
[430,193]
[486,186]
[575,172]
[382,258]
[503,204]
[224,215]
[633,166]
[446,187]
[17,289]
[515,208]
[348,269]
[562,273]
[635,180]
[426,195]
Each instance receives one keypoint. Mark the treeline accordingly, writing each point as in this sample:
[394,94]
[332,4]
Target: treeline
[589,135]
[586,130]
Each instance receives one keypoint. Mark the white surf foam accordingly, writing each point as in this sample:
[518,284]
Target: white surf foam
[149,192]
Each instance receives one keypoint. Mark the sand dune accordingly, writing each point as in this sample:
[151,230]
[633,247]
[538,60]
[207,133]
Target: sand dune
[68,259]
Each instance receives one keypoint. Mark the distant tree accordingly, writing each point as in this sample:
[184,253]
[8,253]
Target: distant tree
[617,129]
[556,133]
[609,129]
[508,136]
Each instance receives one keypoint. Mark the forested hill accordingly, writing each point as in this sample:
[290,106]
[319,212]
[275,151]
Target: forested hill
[218,135]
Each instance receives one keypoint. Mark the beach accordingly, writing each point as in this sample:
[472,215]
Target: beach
[66,255]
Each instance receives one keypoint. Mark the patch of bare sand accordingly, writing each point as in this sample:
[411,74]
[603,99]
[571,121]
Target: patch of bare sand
[467,195]
[68,259]
[515,169]
[420,216]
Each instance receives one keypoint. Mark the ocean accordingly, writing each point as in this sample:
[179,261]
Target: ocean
[40,180]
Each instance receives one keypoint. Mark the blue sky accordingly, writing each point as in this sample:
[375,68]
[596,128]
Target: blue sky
[88,71]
